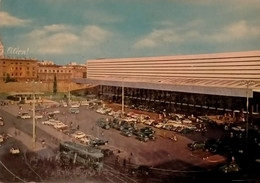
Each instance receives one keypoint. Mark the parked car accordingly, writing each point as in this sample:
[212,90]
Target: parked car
[142,170]
[74,110]
[196,145]
[61,126]
[142,137]
[149,122]
[84,103]
[98,142]
[159,125]
[126,133]
[75,105]
[228,168]
[50,122]
[38,116]
[25,116]
[85,140]
[78,135]
[15,150]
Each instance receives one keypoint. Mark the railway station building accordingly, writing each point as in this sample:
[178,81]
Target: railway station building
[207,83]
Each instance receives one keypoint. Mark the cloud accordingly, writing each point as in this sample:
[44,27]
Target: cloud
[57,43]
[93,35]
[8,20]
[62,39]
[164,37]
[196,31]
[237,31]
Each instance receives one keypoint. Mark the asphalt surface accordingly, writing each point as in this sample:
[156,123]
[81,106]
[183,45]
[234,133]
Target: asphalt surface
[171,161]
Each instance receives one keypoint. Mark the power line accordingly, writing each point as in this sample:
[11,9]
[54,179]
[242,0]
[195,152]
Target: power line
[12,172]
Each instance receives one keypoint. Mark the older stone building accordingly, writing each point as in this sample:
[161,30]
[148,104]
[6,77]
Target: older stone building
[18,69]
[47,70]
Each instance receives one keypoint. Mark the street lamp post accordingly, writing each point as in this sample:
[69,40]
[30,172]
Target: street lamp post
[247,83]
[34,125]
[33,119]
[123,97]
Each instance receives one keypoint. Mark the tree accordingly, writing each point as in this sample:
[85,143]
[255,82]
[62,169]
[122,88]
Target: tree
[55,85]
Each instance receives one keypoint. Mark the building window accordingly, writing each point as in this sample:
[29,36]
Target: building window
[20,68]
[28,68]
[45,71]
[20,74]
[16,68]
[16,63]
[58,71]
[12,74]
[3,62]
[53,70]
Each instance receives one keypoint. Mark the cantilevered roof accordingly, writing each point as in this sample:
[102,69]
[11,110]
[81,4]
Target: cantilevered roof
[234,88]
[230,74]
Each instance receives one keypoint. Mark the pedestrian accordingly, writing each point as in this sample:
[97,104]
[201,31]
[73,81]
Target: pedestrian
[78,127]
[124,163]
[43,143]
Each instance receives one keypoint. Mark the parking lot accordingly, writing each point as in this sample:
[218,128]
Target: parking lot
[162,153]
[153,153]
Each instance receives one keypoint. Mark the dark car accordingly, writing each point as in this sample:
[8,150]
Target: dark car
[142,170]
[98,142]
[126,133]
[196,146]
[142,137]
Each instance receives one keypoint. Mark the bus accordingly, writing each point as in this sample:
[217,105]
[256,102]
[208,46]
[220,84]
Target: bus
[71,152]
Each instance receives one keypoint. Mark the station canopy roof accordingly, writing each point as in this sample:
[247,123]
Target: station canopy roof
[224,87]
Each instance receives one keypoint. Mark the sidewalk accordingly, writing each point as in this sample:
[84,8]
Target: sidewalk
[28,142]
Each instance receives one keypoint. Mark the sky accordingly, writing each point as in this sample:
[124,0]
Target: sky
[67,31]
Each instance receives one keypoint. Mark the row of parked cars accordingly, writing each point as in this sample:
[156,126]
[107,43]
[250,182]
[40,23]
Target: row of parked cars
[127,128]
[74,133]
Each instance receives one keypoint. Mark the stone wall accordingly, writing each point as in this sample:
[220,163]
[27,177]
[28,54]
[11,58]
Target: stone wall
[40,87]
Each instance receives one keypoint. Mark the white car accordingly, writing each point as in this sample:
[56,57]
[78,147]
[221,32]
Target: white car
[159,125]
[86,103]
[15,150]
[38,116]
[129,119]
[111,113]
[78,135]
[85,140]
[60,126]
[186,121]
[50,122]
[25,116]
[149,122]
[75,105]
